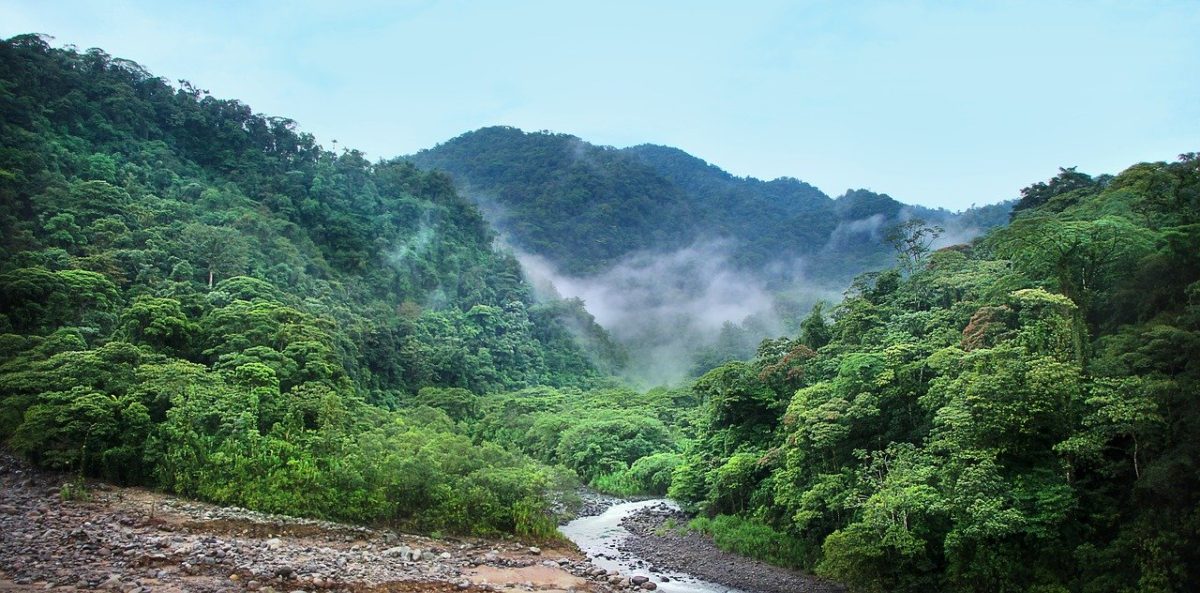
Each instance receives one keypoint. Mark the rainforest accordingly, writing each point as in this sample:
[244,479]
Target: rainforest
[201,300]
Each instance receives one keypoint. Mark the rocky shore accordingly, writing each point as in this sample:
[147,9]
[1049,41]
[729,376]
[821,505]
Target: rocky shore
[132,540]
[593,503]
[56,536]
[664,548]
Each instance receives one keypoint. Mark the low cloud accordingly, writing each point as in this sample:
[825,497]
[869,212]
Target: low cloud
[665,307]
[854,233]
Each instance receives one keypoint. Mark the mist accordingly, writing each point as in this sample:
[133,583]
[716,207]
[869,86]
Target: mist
[852,234]
[667,307]
[956,233]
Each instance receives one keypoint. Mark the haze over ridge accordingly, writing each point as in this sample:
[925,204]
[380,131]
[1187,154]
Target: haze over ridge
[686,264]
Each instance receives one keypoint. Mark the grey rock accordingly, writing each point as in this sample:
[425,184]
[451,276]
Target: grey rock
[398,551]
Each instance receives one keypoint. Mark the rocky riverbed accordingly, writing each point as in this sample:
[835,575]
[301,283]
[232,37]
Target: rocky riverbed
[665,549]
[133,541]
[592,503]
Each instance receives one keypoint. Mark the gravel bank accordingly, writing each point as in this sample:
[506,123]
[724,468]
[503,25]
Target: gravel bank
[137,541]
[592,503]
[695,553]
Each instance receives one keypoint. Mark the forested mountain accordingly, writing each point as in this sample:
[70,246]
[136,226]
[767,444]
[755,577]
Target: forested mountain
[587,207]
[1018,414]
[686,265]
[197,296]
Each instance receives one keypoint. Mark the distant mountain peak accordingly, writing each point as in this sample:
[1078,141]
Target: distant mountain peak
[585,207]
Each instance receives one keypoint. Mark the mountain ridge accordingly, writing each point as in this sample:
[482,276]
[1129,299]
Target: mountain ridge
[741,259]
[535,183]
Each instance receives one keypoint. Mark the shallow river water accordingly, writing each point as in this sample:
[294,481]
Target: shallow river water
[600,535]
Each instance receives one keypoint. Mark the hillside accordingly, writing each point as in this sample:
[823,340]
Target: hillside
[586,208]
[197,297]
[200,300]
[686,265]
[1018,414]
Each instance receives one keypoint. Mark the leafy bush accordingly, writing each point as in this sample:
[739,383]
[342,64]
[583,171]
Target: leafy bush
[752,538]
[648,475]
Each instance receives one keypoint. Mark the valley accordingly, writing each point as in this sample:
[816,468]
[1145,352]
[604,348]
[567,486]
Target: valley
[685,265]
[234,359]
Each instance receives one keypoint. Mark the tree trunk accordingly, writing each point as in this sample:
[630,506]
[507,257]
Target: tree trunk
[1137,474]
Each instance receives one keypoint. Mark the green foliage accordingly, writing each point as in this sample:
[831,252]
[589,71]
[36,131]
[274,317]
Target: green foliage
[75,491]
[621,201]
[1066,188]
[912,239]
[598,434]
[200,298]
[648,475]
[617,483]
[652,473]
[1016,415]
[751,538]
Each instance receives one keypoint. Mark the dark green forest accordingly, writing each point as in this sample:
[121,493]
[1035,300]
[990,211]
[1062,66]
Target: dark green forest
[642,229]
[1017,414]
[585,207]
[200,299]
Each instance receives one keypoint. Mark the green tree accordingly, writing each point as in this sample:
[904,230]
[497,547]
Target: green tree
[912,240]
[217,250]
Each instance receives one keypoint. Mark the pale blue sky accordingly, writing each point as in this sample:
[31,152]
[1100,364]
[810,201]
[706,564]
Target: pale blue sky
[937,103]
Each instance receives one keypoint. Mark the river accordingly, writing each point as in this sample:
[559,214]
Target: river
[600,537]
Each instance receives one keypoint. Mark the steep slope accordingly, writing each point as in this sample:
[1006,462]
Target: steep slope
[769,220]
[1016,414]
[582,206]
[586,207]
[687,265]
[198,297]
